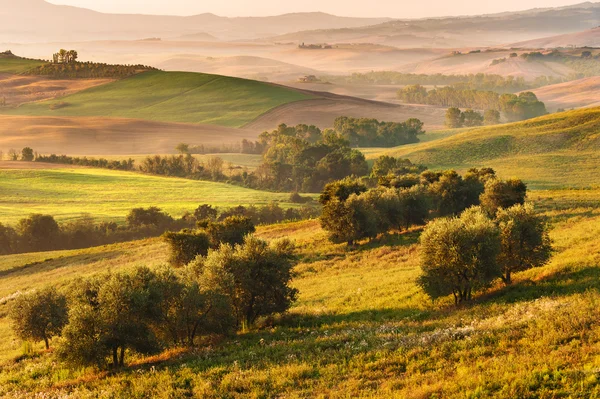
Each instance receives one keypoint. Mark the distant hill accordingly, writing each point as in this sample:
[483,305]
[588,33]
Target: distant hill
[197,37]
[554,151]
[485,30]
[576,94]
[587,38]
[18,16]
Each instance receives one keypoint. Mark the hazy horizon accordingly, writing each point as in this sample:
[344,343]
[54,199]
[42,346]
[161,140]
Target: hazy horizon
[242,8]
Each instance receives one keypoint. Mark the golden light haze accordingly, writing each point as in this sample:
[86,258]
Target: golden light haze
[354,8]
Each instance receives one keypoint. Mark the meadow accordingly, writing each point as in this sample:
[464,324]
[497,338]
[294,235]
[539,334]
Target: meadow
[67,193]
[554,151]
[360,328]
[16,65]
[171,97]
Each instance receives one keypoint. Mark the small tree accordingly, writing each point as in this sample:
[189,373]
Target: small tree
[186,245]
[27,155]
[472,118]
[525,240]
[38,232]
[152,216]
[39,316]
[459,255]
[205,212]
[491,117]
[183,148]
[233,231]
[454,118]
[502,194]
[13,155]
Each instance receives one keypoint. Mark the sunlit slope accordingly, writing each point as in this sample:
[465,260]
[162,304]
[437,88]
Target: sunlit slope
[172,97]
[558,150]
[67,192]
[15,65]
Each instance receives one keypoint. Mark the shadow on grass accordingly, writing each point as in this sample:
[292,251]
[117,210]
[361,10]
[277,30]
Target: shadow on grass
[565,282]
[52,264]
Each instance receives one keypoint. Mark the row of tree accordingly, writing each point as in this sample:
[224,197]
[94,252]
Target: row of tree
[37,232]
[480,81]
[65,56]
[514,107]
[352,211]
[86,70]
[456,118]
[144,311]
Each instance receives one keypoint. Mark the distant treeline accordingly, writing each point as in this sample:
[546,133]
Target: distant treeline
[87,70]
[37,233]
[480,81]
[515,108]
[128,164]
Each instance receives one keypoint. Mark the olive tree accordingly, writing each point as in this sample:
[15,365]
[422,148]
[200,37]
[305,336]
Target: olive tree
[254,275]
[502,194]
[39,315]
[524,238]
[459,255]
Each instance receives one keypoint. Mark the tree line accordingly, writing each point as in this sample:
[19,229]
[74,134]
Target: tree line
[37,232]
[514,107]
[479,81]
[86,70]
[101,320]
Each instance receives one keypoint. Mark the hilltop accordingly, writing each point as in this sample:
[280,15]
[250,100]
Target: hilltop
[587,38]
[555,151]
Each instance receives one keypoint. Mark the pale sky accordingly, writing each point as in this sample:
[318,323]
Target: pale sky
[355,8]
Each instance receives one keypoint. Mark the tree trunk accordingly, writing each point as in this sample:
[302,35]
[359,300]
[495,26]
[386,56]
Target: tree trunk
[507,279]
[115,357]
[47,342]
[122,358]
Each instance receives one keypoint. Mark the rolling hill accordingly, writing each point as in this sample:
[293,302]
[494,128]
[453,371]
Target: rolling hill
[484,30]
[18,16]
[575,94]
[587,38]
[171,97]
[555,151]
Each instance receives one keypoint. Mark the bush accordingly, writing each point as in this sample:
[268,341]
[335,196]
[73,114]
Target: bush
[39,232]
[502,194]
[233,231]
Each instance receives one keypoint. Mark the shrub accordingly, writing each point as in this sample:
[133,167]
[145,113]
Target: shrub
[502,194]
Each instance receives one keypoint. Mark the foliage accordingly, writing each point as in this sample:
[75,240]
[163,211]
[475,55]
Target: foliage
[458,255]
[39,315]
[372,133]
[260,275]
[524,238]
[503,194]
[27,154]
[38,232]
[71,69]
[85,161]
[186,245]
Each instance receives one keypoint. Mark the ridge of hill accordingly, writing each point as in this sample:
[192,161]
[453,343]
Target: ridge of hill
[575,94]
[586,38]
[555,151]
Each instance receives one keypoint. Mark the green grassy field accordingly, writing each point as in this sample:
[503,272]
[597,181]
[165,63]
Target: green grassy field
[555,151]
[16,65]
[110,195]
[172,97]
[361,326]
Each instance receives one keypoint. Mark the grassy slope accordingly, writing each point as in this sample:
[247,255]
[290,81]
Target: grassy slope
[558,150]
[361,327]
[16,65]
[173,97]
[110,195]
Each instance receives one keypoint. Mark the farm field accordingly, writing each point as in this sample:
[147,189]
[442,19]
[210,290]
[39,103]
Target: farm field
[554,151]
[171,97]
[16,65]
[361,326]
[66,193]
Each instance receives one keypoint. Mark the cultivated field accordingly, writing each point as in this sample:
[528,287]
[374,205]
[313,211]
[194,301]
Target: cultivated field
[118,136]
[69,192]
